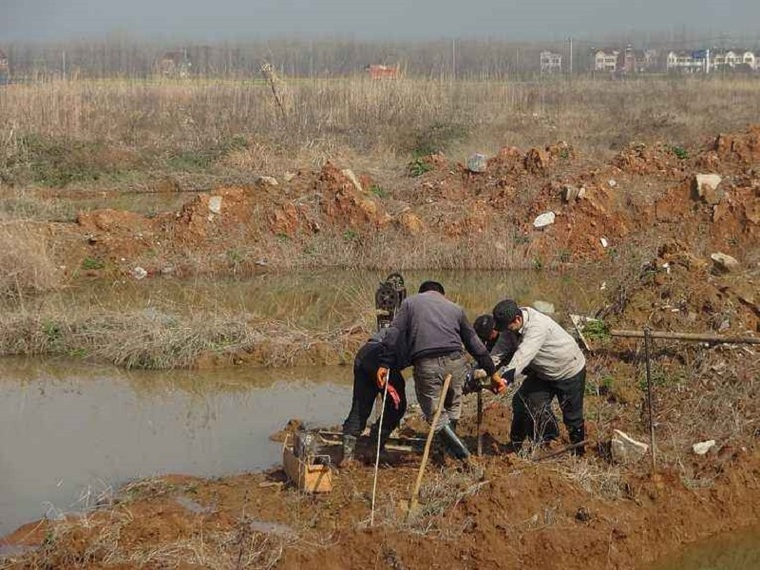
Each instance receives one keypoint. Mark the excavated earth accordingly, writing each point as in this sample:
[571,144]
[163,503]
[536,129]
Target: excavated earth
[514,510]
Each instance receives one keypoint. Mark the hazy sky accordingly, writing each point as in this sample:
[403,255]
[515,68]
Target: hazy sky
[383,19]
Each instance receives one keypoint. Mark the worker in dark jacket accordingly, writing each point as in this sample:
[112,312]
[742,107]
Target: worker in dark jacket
[501,345]
[365,391]
[434,332]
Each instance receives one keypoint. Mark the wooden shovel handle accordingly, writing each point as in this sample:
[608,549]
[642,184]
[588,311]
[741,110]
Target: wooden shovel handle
[428,442]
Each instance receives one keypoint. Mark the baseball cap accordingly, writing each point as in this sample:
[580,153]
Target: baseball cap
[504,313]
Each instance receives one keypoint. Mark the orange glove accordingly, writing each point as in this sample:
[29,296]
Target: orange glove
[498,384]
[395,398]
[382,377]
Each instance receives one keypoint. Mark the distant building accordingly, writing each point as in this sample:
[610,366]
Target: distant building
[734,59]
[174,64]
[550,62]
[606,60]
[688,61]
[383,71]
[637,61]
[5,69]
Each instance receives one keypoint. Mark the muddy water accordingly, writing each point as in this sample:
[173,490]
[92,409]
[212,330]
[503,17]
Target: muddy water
[71,433]
[325,299]
[736,551]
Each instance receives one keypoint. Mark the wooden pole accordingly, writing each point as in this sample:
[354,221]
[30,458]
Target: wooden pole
[416,491]
[693,337]
[647,333]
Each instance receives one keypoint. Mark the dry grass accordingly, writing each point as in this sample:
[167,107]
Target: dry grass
[153,340]
[26,262]
[366,116]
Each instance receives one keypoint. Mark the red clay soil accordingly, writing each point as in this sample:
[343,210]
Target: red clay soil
[644,191]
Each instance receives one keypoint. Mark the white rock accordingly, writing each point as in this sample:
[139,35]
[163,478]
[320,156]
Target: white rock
[139,273]
[604,242]
[603,286]
[724,262]
[288,176]
[544,307]
[215,204]
[612,182]
[707,182]
[703,446]
[545,219]
[348,173]
[625,449]
[477,163]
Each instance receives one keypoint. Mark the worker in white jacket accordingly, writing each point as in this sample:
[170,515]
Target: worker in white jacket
[553,365]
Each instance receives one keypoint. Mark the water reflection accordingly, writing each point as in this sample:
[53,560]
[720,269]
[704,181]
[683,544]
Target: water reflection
[72,433]
[322,299]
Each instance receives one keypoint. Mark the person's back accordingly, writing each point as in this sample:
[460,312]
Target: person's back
[556,353]
[432,324]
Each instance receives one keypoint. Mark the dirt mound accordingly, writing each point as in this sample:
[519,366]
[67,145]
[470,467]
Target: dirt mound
[679,291]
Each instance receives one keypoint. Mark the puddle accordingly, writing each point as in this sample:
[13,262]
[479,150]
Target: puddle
[73,434]
[735,551]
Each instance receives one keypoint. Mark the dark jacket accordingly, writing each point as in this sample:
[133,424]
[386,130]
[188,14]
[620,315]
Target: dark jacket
[429,325]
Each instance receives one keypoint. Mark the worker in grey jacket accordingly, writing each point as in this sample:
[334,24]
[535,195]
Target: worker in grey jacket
[435,332]
[554,366]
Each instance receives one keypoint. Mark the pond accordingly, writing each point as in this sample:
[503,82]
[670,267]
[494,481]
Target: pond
[322,299]
[74,431]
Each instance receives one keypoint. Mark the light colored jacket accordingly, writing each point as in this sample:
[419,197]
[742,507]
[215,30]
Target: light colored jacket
[548,348]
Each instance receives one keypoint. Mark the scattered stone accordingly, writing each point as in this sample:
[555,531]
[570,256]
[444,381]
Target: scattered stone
[572,193]
[706,188]
[545,219]
[288,176]
[139,273]
[267,181]
[703,446]
[612,183]
[724,262]
[604,242]
[215,204]
[544,307]
[625,449]
[477,163]
[348,173]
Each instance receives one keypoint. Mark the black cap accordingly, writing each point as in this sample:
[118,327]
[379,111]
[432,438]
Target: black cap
[484,326]
[504,313]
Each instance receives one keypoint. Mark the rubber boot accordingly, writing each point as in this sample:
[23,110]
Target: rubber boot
[453,443]
[577,435]
[349,448]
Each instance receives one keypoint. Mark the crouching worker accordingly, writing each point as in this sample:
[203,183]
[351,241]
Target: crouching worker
[554,366]
[366,389]
[435,332]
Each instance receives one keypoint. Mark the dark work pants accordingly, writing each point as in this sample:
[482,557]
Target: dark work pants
[365,392]
[532,415]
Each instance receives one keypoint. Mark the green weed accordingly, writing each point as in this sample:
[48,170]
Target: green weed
[418,167]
